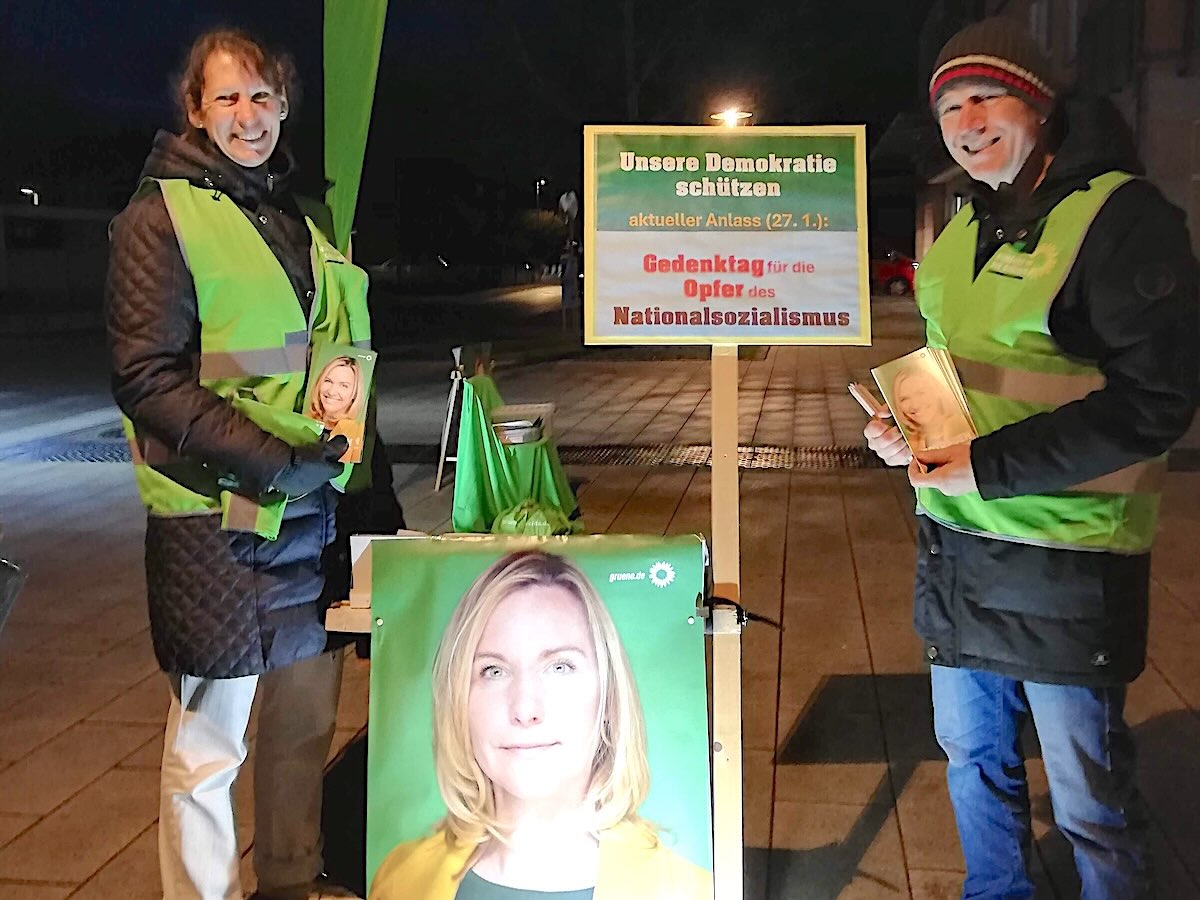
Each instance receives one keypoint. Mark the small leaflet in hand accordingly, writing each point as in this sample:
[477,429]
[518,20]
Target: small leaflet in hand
[339,383]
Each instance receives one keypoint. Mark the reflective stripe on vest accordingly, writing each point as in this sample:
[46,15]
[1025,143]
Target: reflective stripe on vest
[1051,390]
[995,326]
[292,357]
[254,348]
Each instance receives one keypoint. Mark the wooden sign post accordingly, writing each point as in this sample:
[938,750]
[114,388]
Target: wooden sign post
[726,648]
[725,236]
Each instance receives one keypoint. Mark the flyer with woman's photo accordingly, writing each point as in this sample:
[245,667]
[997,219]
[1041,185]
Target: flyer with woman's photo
[926,398]
[339,382]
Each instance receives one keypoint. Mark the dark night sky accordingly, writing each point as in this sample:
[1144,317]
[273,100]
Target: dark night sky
[453,83]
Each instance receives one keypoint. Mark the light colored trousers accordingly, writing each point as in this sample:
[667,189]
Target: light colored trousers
[204,748]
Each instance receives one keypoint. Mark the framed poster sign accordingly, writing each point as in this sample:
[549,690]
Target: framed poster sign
[539,699]
[701,235]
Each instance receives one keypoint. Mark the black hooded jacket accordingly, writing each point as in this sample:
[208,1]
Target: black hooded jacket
[1129,305]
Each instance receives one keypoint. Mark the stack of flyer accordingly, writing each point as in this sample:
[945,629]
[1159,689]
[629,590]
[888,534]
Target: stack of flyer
[519,431]
[926,398]
[522,423]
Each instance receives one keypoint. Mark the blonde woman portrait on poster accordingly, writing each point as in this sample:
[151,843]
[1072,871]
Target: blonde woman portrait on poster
[928,411]
[540,753]
[337,402]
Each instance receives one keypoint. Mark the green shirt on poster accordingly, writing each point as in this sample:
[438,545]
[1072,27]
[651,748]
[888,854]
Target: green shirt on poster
[474,887]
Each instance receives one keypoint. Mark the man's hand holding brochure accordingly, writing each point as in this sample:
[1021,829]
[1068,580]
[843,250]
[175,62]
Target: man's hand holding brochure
[883,438]
[947,469]
[933,427]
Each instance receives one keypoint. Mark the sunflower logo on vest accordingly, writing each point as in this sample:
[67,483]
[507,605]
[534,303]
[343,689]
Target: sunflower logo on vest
[662,574]
[1042,261]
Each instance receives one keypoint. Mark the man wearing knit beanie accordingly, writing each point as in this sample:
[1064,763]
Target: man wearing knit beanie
[992,68]
[1001,51]
[1066,294]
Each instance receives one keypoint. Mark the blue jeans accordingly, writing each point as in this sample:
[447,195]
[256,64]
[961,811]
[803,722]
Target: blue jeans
[1088,753]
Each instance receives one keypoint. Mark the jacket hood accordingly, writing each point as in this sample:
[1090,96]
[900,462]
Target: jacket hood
[1088,138]
[1093,139]
[203,165]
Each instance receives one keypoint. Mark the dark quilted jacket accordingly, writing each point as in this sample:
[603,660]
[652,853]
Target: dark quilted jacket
[222,604]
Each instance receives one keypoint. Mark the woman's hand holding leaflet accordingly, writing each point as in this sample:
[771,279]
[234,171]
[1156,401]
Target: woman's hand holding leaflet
[312,465]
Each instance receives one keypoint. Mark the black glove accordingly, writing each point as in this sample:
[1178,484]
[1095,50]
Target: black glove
[312,465]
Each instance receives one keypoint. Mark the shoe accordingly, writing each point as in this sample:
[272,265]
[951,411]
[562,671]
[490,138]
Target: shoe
[321,889]
[324,889]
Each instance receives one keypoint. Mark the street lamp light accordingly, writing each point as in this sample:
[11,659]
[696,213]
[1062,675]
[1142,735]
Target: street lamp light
[731,118]
[537,192]
[31,194]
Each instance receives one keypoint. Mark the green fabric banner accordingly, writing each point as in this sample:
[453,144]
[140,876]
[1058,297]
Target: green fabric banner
[470,596]
[491,478]
[353,34]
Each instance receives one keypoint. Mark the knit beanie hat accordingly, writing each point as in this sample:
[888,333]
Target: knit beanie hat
[1000,50]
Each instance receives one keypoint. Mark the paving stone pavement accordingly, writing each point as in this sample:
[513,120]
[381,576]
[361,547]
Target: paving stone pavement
[844,793]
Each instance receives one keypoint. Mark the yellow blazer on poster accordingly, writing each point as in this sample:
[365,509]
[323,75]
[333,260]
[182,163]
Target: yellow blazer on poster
[632,867]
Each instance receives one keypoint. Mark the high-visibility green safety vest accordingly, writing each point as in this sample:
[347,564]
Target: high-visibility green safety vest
[254,349]
[997,331]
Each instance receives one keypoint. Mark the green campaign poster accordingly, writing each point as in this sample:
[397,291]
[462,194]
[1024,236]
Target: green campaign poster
[539,686]
[714,235]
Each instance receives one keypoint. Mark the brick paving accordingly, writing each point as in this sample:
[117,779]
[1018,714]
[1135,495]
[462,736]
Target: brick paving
[844,794]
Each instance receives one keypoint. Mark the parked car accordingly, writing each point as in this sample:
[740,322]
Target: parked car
[893,273]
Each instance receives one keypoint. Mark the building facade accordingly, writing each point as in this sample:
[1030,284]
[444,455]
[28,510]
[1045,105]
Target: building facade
[53,261]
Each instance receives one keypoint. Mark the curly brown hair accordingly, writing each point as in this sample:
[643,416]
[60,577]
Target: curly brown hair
[276,68]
